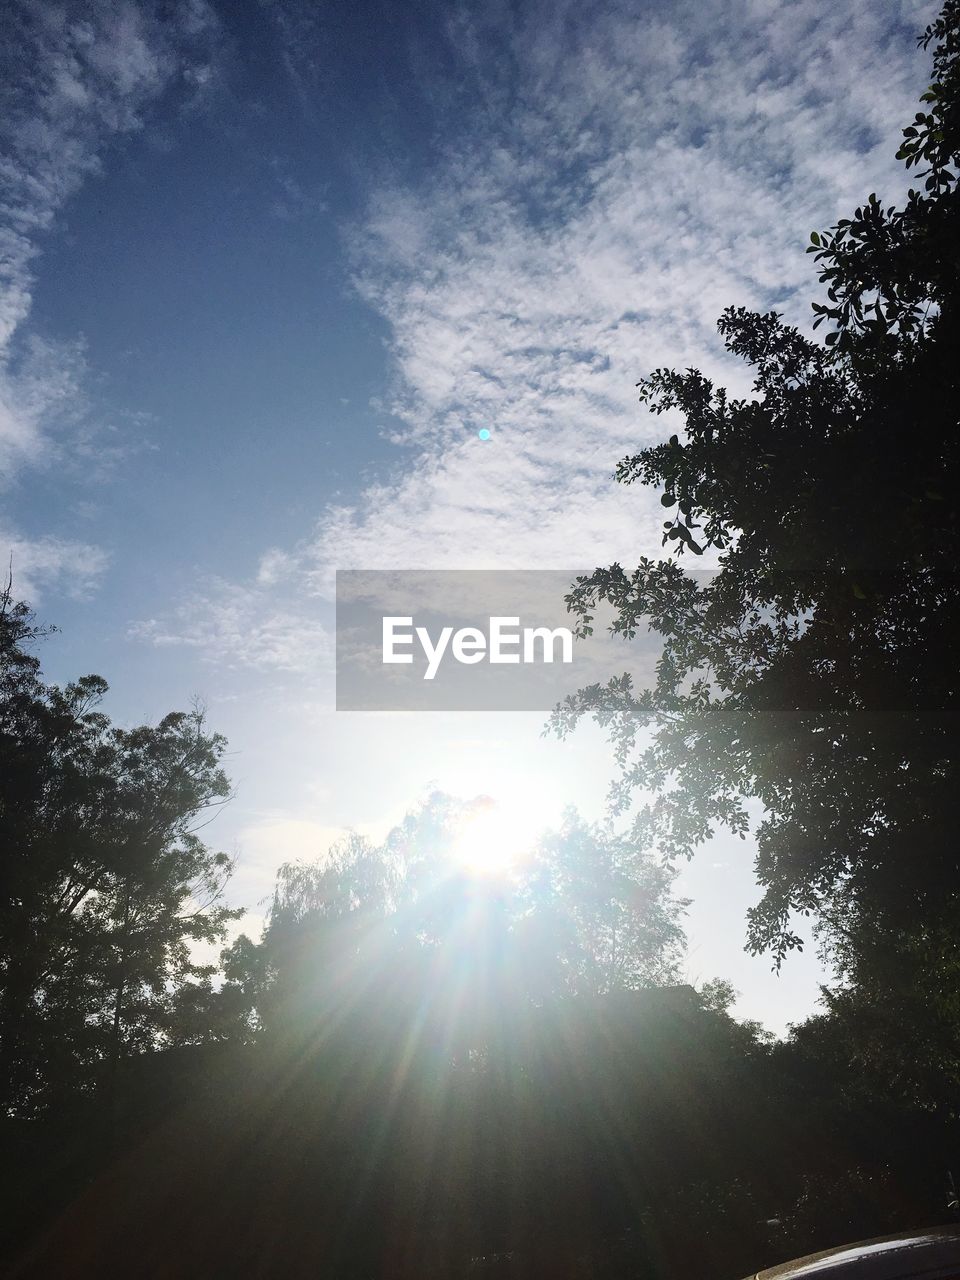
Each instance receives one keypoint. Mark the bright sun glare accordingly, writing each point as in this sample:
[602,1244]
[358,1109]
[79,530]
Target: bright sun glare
[490,838]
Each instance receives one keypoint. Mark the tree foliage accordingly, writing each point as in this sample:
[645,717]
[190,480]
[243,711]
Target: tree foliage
[106,885]
[401,927]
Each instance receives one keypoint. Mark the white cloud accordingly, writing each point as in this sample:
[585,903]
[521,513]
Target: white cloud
[41,401]
[612,180]
[75,77]
[245,626]
[649,172]
[42,564]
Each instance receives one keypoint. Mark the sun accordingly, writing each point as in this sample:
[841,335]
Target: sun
[489,839]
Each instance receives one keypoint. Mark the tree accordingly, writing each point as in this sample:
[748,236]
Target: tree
[387,931]
[105,882]
[601,911]
[814,668]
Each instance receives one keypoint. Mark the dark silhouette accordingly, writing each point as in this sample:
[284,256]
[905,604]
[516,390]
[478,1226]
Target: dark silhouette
[104,882]
[419,1072]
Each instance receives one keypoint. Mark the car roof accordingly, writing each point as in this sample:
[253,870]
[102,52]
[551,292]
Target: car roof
[932,1252]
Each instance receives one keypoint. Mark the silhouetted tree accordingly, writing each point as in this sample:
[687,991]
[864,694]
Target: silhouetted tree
[816,669]
[105,883]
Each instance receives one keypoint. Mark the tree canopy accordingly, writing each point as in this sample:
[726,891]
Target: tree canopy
[106,885]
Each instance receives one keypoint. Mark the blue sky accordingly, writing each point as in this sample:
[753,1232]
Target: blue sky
[268,267]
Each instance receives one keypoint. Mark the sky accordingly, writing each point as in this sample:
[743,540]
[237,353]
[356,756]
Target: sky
[267,268]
